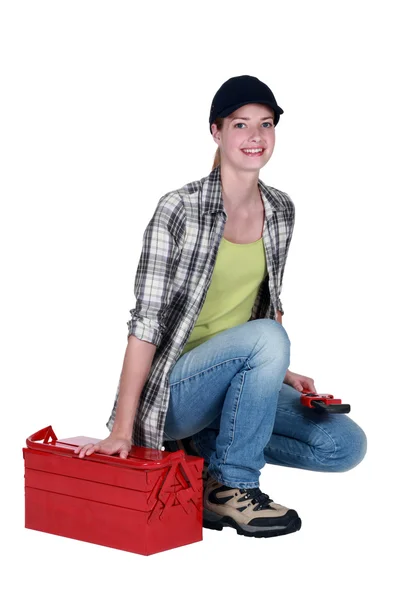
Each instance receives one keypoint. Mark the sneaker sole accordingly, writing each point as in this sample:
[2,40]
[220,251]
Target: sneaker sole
[216,522]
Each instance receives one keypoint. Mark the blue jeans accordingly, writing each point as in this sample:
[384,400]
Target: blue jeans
[228,394]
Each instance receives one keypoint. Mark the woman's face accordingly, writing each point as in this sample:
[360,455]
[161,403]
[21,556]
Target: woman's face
[249,127]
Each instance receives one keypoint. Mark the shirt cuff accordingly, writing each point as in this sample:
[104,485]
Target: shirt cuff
[145,329]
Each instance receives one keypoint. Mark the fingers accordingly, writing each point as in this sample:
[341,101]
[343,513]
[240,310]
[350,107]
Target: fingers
[309,384]
[104,447]
[87,450]
[312,387]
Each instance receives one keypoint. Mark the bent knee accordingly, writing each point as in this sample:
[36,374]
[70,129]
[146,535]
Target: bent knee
[354,451]
[348,450]
[272,334]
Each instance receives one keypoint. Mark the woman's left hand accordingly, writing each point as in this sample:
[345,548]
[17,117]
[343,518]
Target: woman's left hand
[299,382]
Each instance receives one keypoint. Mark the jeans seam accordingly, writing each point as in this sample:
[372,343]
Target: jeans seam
[294,455]
[208,369]
[235,411]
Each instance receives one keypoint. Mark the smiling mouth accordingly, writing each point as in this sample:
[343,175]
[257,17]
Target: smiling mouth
[253,153]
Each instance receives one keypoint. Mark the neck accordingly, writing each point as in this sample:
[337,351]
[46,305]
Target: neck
[240,190]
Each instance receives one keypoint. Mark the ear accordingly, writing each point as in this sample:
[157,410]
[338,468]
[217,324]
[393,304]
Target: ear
[216,133]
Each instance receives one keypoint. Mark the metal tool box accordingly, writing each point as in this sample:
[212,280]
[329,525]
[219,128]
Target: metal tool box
[147,503]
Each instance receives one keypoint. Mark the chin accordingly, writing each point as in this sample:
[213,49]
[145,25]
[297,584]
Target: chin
[254,167]
[256,163]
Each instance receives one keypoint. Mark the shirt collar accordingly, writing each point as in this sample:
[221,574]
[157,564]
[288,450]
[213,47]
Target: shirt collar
[211,195]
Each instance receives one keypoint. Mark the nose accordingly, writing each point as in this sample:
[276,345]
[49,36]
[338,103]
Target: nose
[255,135]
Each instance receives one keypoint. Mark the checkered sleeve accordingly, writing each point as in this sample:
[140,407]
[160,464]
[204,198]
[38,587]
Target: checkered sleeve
[290,225]
[156,269]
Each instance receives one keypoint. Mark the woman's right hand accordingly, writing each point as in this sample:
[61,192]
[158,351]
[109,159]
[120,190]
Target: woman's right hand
[111,445]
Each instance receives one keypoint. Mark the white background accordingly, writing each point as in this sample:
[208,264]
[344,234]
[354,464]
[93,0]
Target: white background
[104,109]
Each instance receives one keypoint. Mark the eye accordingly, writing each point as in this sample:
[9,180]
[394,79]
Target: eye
[265,123]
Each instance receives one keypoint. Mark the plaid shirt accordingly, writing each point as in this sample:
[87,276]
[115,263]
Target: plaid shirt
[180,246]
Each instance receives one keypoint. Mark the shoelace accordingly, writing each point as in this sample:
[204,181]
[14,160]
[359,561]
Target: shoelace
[258,497]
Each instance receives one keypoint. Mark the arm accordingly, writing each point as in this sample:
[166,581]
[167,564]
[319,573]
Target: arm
[279,307]
[294,379]
[136,367]
[137,363]
[298,382]
[153,291]
[156,270]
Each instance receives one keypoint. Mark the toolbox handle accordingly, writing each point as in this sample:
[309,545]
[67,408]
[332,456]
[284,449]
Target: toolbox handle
[148,457]
[43,435]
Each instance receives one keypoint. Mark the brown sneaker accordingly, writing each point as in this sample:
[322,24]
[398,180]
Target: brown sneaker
[249,511]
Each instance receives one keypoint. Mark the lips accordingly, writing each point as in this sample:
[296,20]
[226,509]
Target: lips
[252,153]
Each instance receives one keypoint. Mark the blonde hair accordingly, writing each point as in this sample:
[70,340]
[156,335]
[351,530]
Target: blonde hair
[219,121]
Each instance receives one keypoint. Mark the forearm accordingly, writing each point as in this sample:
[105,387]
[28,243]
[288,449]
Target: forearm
[136,367]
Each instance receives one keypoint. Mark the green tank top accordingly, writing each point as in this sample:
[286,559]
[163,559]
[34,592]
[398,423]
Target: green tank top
[238,272]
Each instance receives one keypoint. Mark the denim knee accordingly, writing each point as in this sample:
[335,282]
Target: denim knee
[272,335]
[356,450]
[350,448]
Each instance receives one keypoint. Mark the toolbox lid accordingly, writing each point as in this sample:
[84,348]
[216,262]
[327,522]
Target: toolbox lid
[139,457]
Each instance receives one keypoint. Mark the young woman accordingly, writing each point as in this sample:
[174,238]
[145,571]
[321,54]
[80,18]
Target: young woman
[207,354]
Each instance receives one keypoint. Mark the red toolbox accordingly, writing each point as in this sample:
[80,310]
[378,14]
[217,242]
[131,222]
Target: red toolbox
[147,503]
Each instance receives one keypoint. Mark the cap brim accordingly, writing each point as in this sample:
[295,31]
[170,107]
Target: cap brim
[230,109]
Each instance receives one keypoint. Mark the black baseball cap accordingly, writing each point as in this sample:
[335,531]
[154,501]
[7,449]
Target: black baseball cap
[241,90]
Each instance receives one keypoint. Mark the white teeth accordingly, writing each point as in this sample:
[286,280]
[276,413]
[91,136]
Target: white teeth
[253,150]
